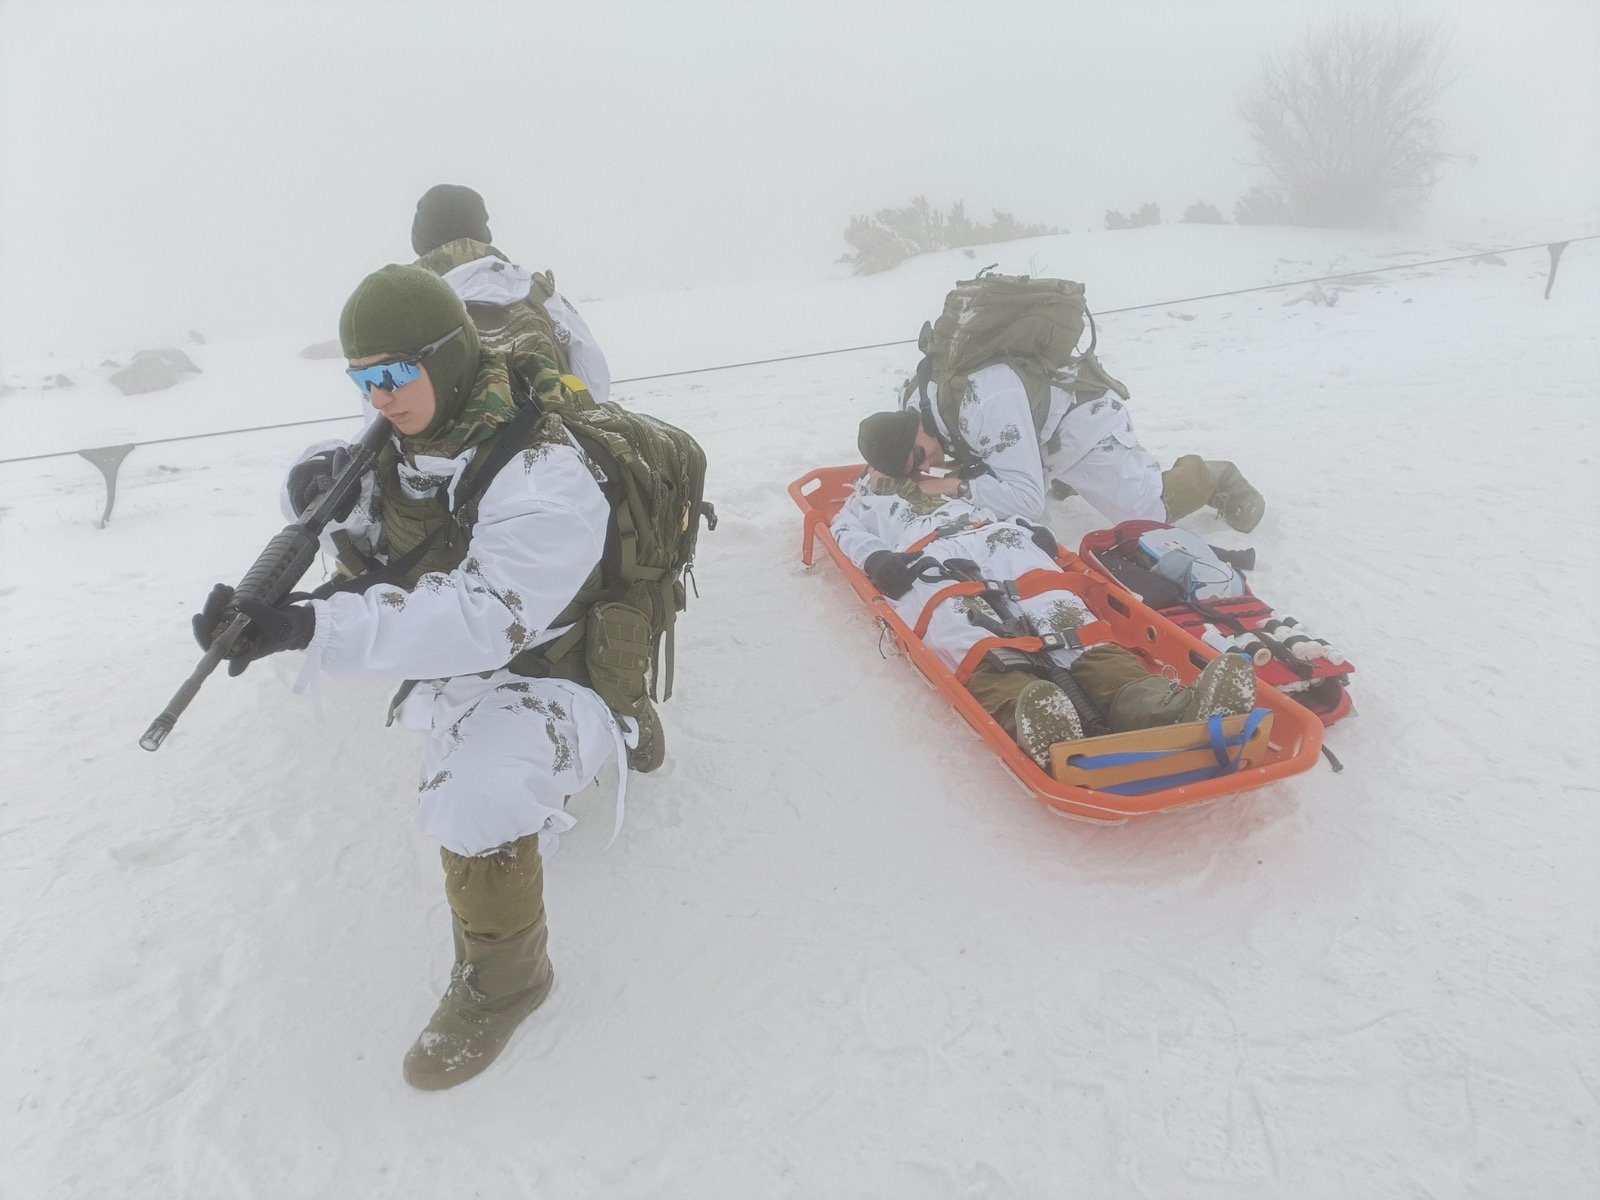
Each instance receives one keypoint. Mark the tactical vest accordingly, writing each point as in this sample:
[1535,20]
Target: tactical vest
[408,521]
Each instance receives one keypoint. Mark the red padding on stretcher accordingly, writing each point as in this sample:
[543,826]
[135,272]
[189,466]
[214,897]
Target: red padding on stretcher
[1249,610]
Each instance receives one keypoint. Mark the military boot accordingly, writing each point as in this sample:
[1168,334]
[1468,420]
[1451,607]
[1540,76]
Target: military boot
[1045,716]
[1231,495]
[502,972]
[651,751]
[1226,686]
[1147,702]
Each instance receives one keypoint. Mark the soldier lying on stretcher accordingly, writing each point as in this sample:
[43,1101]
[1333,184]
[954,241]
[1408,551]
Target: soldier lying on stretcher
[912,545]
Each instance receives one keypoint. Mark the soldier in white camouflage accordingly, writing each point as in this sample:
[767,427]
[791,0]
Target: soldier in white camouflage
[892,529]
[515,310]
[482,623]
[1086,444]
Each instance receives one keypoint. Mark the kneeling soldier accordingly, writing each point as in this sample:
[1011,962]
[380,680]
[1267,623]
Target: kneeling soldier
[473,610]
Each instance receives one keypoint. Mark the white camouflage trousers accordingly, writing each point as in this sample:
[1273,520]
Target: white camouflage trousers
[501,754]
[1116,476]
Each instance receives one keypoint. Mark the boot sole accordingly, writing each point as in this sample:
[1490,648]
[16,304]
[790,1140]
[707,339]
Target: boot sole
[1245,524]
[647,757]
[1044,717]
[1227,687]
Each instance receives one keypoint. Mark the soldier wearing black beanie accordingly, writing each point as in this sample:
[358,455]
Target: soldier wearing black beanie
[516,310]
[446,212]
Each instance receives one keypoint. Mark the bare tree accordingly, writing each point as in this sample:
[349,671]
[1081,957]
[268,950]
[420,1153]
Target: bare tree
[1345,124]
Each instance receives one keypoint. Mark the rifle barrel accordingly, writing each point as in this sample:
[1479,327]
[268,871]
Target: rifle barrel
[162,725]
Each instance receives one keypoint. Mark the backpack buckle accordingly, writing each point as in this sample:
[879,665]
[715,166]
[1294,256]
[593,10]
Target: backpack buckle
[1051,640]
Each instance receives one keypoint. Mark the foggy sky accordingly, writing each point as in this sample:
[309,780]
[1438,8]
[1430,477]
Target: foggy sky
[237,168]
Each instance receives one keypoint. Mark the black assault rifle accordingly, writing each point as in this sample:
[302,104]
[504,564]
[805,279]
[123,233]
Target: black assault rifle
[275,572]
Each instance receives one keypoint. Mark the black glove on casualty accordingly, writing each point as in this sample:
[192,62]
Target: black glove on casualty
[286,627]
[1043,538]
[891,573]
[310,479]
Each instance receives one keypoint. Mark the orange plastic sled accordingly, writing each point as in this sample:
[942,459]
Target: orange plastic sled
[1285,743]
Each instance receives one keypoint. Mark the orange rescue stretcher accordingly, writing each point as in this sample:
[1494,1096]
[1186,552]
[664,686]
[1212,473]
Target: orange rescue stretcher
[1118,775]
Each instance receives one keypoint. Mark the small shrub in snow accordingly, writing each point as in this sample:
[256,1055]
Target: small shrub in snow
[1006,228]
[892,235]
[1263,206]
[1202,213]
[1149,214]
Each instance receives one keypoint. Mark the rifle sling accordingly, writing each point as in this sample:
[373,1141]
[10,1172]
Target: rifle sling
[511,439]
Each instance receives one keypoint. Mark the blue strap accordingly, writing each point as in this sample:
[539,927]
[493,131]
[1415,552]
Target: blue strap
[1220,744]
[1096,762]
[1219,741]
[1140,787]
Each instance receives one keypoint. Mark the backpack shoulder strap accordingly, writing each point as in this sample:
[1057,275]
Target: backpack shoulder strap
[510,441]
[1037,386]
[506,444]
[930,423]
[967,464]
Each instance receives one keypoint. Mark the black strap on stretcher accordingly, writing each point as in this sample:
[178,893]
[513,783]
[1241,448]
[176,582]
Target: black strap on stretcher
[1014,624]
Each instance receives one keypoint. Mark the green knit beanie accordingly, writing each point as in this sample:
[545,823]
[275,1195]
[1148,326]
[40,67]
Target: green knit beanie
[399,310]
[885,440]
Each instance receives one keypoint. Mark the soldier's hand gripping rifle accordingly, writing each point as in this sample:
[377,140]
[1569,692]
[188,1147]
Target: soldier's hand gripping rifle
[275,572]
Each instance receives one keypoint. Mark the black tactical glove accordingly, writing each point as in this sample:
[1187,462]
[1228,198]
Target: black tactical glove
[1239,560]
[286,627]
[976,469]
[1042,537]
[310,479]
[892,573]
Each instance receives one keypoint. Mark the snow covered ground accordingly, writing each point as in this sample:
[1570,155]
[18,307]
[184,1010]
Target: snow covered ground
[835,950]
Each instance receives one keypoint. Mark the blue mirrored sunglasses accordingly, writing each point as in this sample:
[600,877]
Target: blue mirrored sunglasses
[391,376]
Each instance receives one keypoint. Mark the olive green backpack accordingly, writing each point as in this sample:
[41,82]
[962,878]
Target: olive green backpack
[655,478]
[1031,325]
